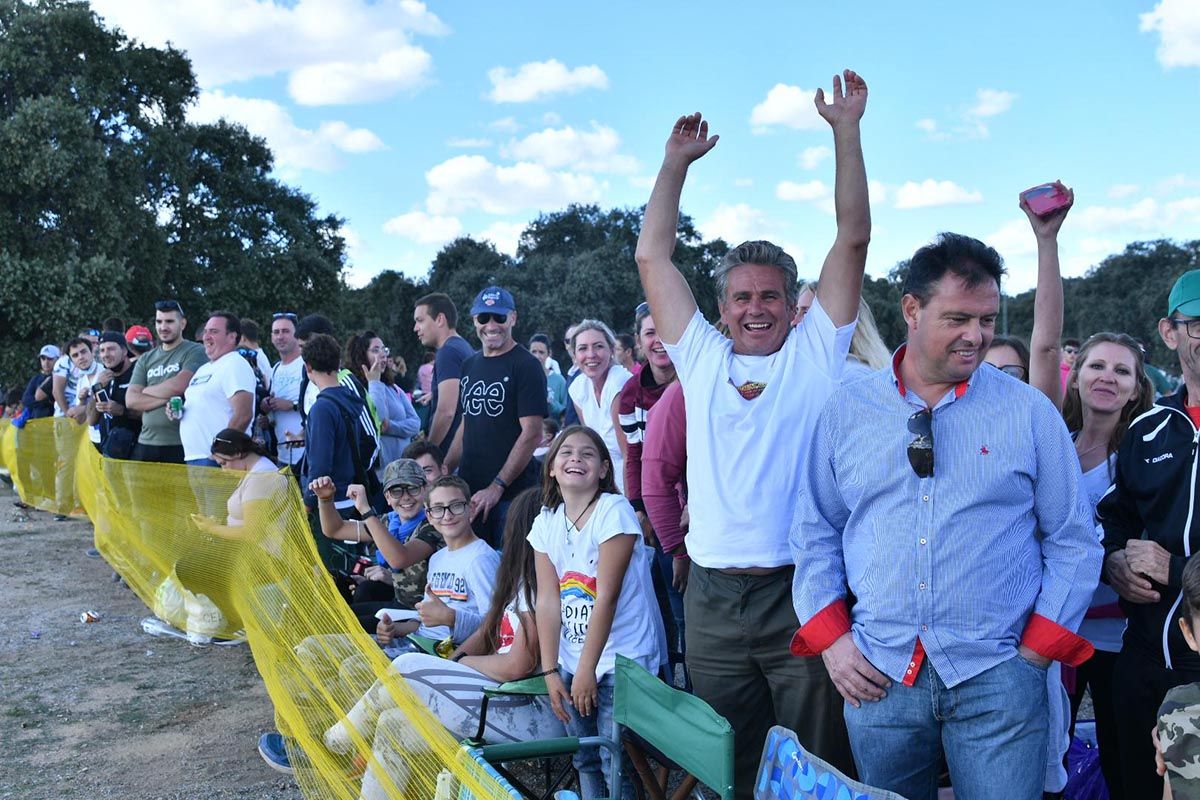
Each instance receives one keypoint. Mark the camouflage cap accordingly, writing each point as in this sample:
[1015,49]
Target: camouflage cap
[403,472]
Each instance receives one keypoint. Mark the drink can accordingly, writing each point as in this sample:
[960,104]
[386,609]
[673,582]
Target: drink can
[176,405]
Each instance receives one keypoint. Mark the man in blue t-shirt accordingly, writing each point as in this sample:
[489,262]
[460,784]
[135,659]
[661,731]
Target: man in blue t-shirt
[503,401]
[434,321]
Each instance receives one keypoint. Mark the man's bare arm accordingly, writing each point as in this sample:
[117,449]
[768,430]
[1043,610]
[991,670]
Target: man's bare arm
[243,410]
[454,451]
[670,297]
[443,414]
[840,285]
[174,386]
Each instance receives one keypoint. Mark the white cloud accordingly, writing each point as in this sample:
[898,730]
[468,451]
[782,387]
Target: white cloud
[813,156]
[586,151]
[295,148]
[1014,238]
[927,125]
[472,181]
[990,102]
[803,192]
[468,143]
[424,228]
[787,106]
[878,192]
[357,273]
[505,235]
[346,82]
[743,183]
[351,49]
[929,193]
[1175,183]
[642,181]
[538,80]
[740,222]
[1177,23]
[552,119]
[1122,190]
[1140,215]
[505,125]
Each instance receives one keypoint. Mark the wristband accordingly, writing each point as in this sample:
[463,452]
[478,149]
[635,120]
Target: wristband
[459,657]
[500,482]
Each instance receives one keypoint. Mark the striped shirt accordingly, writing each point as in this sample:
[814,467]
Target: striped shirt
[956,567]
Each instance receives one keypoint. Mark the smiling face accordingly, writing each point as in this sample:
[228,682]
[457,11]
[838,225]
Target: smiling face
[948,336]
[406,501]
[218,339]
[652,346]
[1107,379]
[169,326]
[453,527]
[578,464]
[593,353]
[756,309]
[495,336]
[112,356]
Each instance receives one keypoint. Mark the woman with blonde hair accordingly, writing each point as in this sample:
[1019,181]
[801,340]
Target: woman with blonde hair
[868,351]
[597,390]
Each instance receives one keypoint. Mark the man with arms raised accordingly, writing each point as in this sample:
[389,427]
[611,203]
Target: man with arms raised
[752,404]
[434,321]
[945,498]
[158,376]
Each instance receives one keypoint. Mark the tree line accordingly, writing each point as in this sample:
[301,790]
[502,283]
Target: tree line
[111,199]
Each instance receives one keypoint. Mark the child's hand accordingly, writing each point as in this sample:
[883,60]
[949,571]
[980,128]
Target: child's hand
[584,695]
[358,493]
[322,487]
[1160,763]
[383,631]
[377,573]
[560,698]
[433,611]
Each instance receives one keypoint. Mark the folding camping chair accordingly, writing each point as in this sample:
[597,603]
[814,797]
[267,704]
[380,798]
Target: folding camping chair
[789,772]
[680,727]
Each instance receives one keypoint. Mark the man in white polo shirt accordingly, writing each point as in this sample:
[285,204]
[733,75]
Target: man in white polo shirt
[752,403]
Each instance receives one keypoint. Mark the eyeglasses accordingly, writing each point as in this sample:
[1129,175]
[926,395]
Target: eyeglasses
[1192,326]
[169,305]
[284,315]
[1016,370]
[411,491]
[920,449]
[484,319]
[455,508]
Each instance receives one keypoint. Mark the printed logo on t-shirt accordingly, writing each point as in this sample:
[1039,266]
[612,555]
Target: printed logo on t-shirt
[481,398]
[200,380]
[162,371]
[507,634]
[577,596]
[448,586]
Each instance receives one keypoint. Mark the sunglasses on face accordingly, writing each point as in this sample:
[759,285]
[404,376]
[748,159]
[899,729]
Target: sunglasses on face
[454,509]
[484,319]
[920,449]
[400,491]
[169,305]
[284,315]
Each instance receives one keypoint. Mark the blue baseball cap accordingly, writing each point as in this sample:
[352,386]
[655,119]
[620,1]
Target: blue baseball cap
[493,300]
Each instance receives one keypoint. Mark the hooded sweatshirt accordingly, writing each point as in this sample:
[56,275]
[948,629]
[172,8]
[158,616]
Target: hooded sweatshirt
[328,448]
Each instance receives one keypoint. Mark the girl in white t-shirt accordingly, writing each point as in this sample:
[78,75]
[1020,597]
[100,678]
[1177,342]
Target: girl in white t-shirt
[595,598]
[504,648]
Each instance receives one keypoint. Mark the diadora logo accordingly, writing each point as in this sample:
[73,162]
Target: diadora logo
[1162,457]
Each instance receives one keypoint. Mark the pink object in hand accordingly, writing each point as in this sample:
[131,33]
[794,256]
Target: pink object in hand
[1045,199]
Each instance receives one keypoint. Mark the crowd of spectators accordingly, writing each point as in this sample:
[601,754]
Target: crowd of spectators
[915,560]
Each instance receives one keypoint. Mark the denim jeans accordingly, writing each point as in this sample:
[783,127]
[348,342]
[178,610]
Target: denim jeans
[210,503]
[593,766]
[992,729]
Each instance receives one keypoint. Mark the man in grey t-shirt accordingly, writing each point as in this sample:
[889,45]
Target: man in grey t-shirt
[158,376]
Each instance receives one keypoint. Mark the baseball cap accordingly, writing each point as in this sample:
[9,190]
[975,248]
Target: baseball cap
[139,339]
[1185,295]
[403,472]
[49,351]
[112,336]
[493,300]
[313,324]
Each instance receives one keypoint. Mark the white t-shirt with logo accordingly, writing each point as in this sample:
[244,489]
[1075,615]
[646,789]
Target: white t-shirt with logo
[285,384]
[637,630]
[462,579]
[83,390]
[206,403]
[597,414]
[745,457]
[66,368]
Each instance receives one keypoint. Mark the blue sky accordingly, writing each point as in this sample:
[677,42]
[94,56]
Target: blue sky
[420,122]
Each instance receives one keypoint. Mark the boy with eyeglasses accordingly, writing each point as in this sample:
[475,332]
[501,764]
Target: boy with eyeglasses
[159,375]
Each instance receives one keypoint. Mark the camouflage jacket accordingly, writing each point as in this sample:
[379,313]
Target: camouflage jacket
[1179,739]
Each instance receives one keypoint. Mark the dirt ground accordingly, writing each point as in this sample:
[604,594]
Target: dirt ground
[103,710]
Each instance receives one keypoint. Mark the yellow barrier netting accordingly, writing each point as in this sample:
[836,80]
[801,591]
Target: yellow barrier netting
[168,531]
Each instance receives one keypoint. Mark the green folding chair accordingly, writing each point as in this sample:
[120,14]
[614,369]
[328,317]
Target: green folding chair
[679,727]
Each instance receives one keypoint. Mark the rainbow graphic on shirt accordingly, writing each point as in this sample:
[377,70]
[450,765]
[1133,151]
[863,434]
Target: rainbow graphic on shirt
[577,586]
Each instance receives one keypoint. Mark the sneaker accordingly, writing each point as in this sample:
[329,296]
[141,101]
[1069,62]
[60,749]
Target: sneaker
[273,750]
[92,552]
[61,518]
[22,504]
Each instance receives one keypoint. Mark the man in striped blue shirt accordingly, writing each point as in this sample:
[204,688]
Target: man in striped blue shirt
[944,498]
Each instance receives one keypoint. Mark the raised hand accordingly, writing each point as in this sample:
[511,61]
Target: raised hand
[689,139]
[433,611]
[358,493]
[848,102]
[322,487]
[1047,227]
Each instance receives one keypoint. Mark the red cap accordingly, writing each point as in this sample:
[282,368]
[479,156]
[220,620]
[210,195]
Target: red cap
[139,336]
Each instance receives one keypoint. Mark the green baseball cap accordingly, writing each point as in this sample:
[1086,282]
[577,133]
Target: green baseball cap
[1185,295]
[403,472]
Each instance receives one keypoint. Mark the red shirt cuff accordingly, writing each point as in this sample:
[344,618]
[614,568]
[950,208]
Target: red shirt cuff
[826,627]
[1053,641]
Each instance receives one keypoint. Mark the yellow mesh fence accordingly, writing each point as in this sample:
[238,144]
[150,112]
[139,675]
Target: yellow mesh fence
[227,554]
